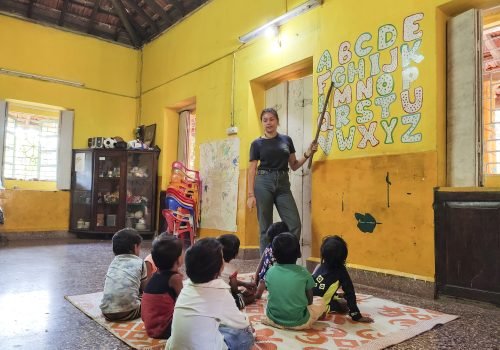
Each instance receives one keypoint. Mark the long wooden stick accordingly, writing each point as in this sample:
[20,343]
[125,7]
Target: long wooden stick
[325,105]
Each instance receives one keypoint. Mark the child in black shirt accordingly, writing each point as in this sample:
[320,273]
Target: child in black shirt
[331,275]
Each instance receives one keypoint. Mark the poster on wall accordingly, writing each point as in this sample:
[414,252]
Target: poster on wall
[377,97]
[219,170]
[79,162]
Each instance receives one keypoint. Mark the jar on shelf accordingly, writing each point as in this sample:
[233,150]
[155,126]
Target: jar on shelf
[80,223]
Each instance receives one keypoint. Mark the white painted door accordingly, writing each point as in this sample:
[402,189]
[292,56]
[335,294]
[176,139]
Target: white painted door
[293,101]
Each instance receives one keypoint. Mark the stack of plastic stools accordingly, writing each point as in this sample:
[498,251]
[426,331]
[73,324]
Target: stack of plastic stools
[182,203]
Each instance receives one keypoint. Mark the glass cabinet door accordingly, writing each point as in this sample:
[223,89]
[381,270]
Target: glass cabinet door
[108,190]
[81,196]
[140,187]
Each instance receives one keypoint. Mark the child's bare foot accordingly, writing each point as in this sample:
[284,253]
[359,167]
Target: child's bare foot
[247,293]
[260,289]
[249,299]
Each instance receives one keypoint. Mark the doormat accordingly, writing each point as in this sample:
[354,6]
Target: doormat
[394,323]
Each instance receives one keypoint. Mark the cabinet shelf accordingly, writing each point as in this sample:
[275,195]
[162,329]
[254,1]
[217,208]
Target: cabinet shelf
[103,217]
[108,179]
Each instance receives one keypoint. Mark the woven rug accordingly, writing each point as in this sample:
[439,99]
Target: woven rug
[394,323]
[131,332]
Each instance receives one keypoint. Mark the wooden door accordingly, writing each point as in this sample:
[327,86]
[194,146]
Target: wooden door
[293,101]
[463,127]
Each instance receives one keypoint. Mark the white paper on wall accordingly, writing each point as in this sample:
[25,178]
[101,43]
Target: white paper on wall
[219,170]
[79,162]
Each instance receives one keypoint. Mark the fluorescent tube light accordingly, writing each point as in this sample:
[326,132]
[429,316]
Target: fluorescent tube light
[40,77]
[280,20]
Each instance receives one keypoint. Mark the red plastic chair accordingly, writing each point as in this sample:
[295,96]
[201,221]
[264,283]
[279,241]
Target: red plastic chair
[193,174]
[179,223]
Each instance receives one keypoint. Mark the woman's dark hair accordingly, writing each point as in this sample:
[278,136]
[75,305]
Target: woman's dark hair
[125,240]
[333,251]
[286,248]
[275,229]
[271,111]
[204,260]
[166,250]
[230,246]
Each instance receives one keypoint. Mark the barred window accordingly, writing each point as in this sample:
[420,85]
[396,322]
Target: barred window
[30,151]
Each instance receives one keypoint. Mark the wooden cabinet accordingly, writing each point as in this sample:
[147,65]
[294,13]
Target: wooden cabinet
[468,244]
[112,189]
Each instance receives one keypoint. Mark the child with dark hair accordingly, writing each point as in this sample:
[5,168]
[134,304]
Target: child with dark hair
[205,315]
[267,260]
[332,274]
[125,278]
[230,248]
[290,302]
[150,266]
[164,286]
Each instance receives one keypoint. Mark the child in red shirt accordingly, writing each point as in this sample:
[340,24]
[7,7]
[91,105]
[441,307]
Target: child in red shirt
[161,292]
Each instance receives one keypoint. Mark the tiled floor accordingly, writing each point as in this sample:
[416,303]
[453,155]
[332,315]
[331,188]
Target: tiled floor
[36,275]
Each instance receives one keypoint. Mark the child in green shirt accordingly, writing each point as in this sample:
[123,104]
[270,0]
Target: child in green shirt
[290,302]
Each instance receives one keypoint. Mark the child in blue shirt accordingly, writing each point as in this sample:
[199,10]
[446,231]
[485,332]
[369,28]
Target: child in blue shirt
[332,274]
[290,301]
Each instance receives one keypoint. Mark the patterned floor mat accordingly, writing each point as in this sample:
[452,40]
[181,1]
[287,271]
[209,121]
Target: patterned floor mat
[394,323]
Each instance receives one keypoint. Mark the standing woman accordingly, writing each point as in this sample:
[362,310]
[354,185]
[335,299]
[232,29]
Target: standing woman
[268,182]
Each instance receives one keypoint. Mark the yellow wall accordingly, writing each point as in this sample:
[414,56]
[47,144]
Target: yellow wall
[403,239]
[106,106]
[31,211]
[194,60]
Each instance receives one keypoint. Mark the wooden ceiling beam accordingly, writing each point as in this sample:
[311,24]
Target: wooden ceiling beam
[103,8]
[29,13]
[65,8]
[122,13]
[143,13]
[179,6]
[159,10]
[93,15]
[117,33]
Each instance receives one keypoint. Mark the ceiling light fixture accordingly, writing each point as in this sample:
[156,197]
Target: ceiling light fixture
[40,77]
[280,20]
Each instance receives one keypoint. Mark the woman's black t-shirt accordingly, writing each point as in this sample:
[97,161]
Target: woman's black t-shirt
[272,153]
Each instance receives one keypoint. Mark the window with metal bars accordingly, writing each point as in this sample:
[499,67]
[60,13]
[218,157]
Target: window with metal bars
[491,99]
[31,143]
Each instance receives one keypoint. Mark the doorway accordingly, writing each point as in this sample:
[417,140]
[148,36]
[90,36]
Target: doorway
[292,100]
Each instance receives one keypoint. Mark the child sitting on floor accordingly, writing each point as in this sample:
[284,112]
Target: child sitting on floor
[125,278]
[150,266]
[290,301]
[205,303]
[230,248]
[163,288]
[332,274]
[267,260]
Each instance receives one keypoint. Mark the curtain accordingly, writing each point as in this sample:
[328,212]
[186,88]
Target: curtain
[64,148]
[183,143]
[3,124]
